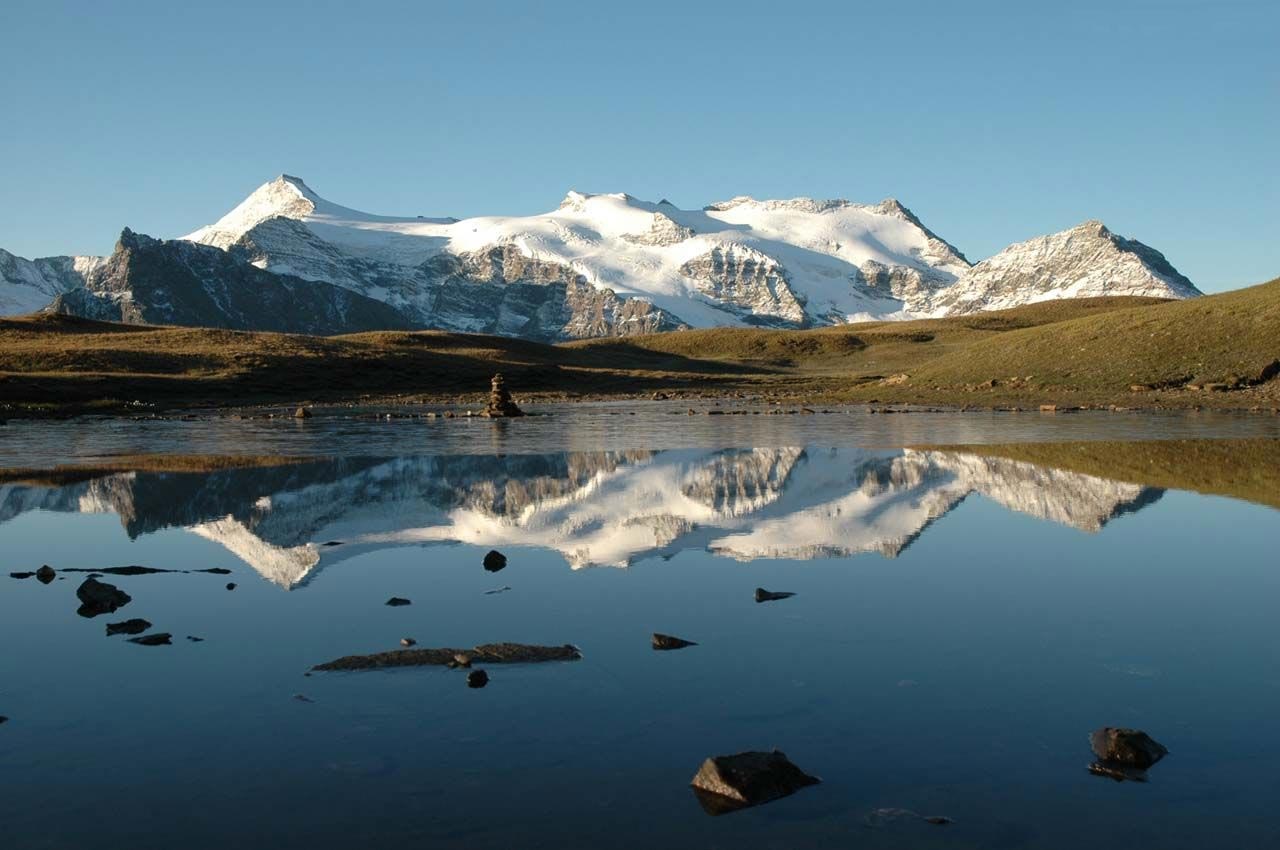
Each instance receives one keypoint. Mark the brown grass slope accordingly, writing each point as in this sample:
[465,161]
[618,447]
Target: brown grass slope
[1084,351]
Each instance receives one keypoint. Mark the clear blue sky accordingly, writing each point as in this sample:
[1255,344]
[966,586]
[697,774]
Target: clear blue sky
[993,121]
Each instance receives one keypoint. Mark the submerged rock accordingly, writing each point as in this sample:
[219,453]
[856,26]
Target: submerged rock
[231,585]
[46,574]
[195,639]
[878,818]
[158,639]
[398,601]
[136,626]
[21,575]
[763,595]
[729,783]
[1124,754]
[494,561]
[100,598]
[131,570]
[664,642]
[477,679]
[489,653]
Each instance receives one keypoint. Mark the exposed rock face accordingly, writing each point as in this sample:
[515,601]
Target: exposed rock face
[1085,261]
[748,779]
[747,282]
[147,281]
[663,232]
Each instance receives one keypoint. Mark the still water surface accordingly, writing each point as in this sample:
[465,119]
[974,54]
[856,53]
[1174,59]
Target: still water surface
[960,624]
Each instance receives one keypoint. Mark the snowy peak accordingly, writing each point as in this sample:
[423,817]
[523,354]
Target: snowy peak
[1085,261]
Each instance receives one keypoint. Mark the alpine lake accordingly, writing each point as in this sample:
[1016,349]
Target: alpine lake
[961,621]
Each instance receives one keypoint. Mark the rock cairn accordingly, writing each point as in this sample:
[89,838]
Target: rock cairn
[500,402]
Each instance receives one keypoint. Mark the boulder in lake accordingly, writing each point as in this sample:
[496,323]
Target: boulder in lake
[763,595]
[665,642]
[46,574]
[136,626]
[231,585]
[158,639]
[21,575]
[477,679]
[398,601]
[729,783]
[486,653]
[302,413]
[1124,754]
[494,561]
[1130,747]
[407,641]
[98,597]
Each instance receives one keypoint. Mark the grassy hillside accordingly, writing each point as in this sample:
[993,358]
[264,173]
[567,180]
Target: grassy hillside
[1123,351]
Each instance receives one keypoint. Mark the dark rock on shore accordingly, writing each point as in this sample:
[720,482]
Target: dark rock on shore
[494,561]
[158,639]
[665,642]
[728,783]
[477,679]
[136,626]
[398,601]
[46,574]
[100,598]
[490,653]
[763,595]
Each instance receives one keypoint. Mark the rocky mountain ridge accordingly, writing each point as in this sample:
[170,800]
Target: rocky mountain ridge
[597,265]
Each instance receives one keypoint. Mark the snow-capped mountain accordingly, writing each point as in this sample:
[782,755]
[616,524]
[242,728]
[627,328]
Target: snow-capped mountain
[612,265]
[29,285]
[594,508]
[788,263]
[1086,261]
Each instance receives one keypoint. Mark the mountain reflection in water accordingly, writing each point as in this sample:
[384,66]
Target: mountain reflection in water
[595,508]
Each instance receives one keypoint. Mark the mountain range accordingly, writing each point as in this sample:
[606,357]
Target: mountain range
[286,259]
